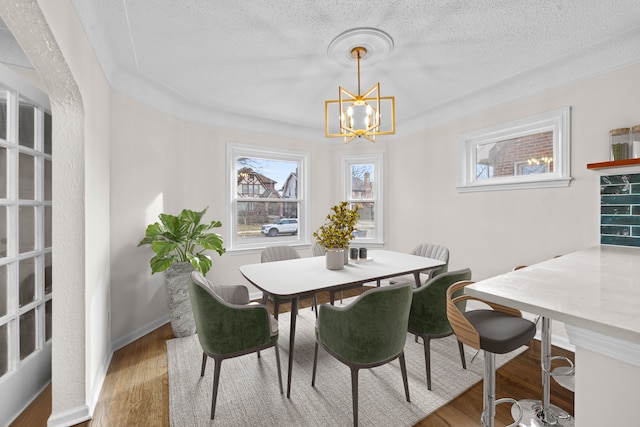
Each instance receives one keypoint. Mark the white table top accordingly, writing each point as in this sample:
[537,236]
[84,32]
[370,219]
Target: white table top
[597,289]
[307,275]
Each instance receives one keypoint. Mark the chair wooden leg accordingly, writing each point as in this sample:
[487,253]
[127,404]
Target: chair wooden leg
[403,368]
[427,359]
[216,382]
[354,392]
[204,363]
[276,308]
[279,370]
[315,362]
[462,358]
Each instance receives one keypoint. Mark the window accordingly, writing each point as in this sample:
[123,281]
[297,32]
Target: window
[268,197]
[25,228]
[362,183]
[527,153]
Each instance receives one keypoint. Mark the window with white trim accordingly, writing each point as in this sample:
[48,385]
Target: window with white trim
[362,184]
[267,197]
[528,153]
[25,228]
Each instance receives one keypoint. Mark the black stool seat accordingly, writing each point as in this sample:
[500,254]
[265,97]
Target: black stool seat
[500,332]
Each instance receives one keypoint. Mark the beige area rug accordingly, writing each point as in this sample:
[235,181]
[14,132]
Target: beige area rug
[248,394]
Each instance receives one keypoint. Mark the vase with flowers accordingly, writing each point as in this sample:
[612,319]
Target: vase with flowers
[336,233]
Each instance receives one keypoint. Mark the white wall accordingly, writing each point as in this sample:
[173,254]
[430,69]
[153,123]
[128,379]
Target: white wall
[491,232]
[81,216]
[163,164]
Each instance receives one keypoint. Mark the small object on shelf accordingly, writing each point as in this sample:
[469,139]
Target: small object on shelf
[635,142]
[354,253]
[619,141]
[364,260]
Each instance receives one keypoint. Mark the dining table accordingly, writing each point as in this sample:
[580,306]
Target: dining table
[295,278]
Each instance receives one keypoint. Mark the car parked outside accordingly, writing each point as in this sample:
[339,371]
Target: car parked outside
[284,226]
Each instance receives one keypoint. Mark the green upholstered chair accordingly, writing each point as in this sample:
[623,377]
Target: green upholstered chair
[369,332]
[281,253]
[428,316]
[227,330]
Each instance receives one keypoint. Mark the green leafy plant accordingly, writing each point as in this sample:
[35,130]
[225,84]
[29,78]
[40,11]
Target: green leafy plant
[339,227]
[182,238]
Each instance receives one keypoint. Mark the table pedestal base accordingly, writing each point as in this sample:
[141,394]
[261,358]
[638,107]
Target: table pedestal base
[533,415]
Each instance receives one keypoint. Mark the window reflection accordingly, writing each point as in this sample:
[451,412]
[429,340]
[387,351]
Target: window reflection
[26,183]
[26,124]
[525,155]
[27,290]
[26,219]
[27,333]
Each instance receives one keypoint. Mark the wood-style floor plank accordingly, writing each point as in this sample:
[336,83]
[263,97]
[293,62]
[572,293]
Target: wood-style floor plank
[136,388]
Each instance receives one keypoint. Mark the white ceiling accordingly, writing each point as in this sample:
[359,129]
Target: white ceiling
[263,65]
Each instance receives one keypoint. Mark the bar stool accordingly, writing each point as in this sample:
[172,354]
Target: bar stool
[497,330]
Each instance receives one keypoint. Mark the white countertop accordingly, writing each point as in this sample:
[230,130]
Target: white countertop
[597,289]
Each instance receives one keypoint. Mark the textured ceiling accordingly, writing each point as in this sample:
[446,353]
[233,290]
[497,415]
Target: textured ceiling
[264,65]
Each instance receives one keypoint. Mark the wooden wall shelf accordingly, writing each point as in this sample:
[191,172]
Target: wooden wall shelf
[616,166]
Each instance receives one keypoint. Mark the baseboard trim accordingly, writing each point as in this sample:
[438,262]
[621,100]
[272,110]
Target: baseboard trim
[138,333]
[70,417]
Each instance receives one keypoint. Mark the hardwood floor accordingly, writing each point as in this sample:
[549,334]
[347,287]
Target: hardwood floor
[136,391]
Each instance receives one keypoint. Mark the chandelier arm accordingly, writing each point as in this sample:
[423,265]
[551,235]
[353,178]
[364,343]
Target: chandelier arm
[358,72]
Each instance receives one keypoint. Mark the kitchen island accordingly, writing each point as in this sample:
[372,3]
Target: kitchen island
[596,293]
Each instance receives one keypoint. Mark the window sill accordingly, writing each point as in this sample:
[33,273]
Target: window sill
[514,184]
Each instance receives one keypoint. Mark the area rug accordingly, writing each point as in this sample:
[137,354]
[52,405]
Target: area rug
[249,395]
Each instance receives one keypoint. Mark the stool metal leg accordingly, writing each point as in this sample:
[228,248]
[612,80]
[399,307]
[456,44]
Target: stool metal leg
[489,393]
[487,419]
[541,413]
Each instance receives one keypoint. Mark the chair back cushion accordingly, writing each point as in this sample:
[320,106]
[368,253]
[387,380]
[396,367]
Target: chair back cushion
[278,253]
[225,328]
[233,294]
[430,250]
[428,314]
[370,330]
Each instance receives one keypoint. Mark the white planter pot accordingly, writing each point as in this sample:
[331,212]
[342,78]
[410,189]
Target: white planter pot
[178,302]
[334,259]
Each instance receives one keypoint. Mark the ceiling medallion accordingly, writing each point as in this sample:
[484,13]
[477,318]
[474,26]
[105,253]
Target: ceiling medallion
[360,115]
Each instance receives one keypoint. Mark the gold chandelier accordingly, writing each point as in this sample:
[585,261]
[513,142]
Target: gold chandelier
[359,115]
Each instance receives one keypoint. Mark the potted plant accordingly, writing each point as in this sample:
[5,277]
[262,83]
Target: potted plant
[179,243]
[336,233]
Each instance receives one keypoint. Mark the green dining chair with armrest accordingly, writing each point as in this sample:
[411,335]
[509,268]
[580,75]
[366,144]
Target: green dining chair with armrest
[494,330]
[227,330]
[369,332]
[428,315]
